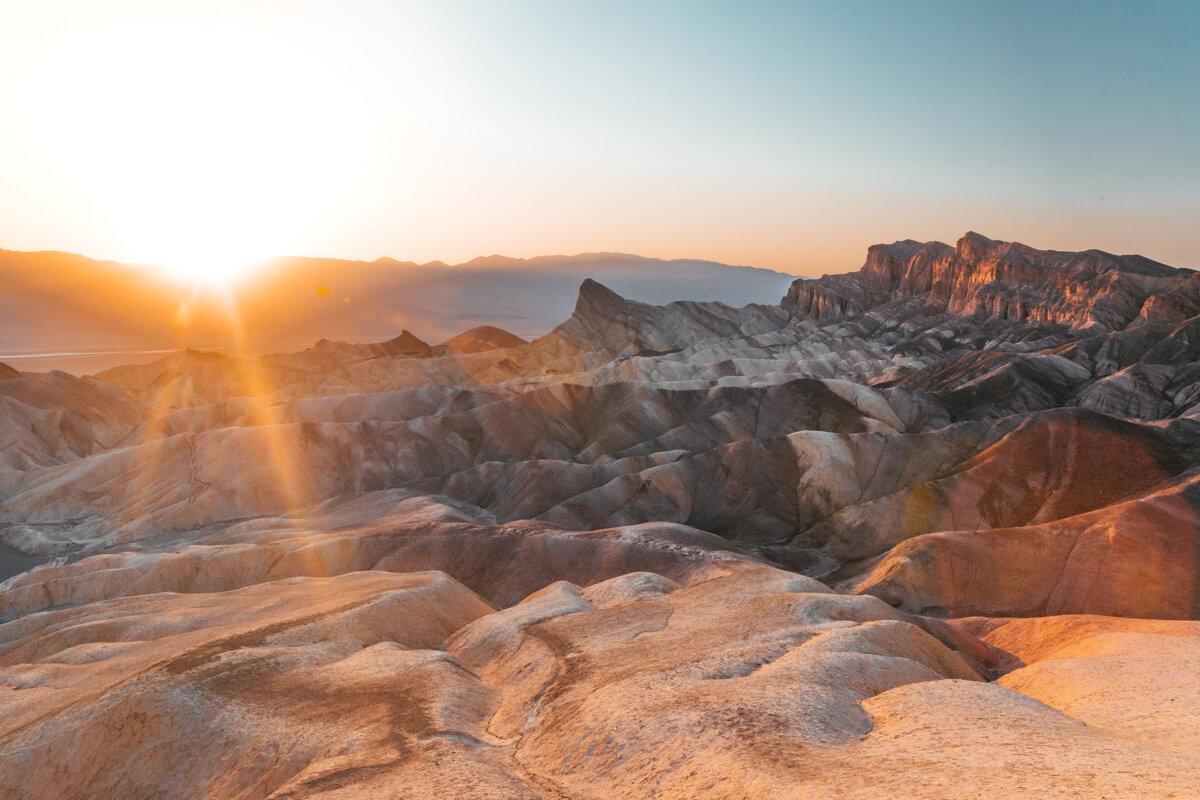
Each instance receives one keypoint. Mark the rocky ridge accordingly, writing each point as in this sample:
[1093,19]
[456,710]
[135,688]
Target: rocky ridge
[949,499]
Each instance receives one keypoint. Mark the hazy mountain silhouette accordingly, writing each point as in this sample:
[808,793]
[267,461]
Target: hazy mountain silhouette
[62,302]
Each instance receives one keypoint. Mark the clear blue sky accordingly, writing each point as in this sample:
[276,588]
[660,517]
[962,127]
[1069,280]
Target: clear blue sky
[788,135]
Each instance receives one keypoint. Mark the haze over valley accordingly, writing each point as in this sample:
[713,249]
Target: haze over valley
[88,315]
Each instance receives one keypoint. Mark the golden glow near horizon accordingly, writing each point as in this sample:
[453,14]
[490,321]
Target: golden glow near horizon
[202,134]
[210,165]
[214,271]
[203,138]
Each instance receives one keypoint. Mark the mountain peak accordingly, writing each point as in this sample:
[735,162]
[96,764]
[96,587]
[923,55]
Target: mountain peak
[974,246]
[405,343]
[481,339]
[594,292]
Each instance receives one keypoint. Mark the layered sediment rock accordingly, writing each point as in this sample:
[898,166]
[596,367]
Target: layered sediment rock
[673,551]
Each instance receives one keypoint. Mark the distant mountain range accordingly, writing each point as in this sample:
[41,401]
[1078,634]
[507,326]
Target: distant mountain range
[59,302]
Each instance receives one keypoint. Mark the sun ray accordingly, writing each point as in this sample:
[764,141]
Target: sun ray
[300,495]
[160,443]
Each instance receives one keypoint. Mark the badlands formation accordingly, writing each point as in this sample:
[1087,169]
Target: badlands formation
[924,530]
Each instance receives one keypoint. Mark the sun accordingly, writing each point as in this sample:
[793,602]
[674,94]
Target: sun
[209,272]
[208,165]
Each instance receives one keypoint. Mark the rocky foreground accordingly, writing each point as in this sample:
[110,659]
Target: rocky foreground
[924,530]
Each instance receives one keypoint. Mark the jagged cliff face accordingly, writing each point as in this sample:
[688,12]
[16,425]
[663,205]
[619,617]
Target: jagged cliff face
[683,551]
[1089,291]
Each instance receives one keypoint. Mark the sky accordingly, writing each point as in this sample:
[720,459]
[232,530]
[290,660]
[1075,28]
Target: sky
[788,135]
